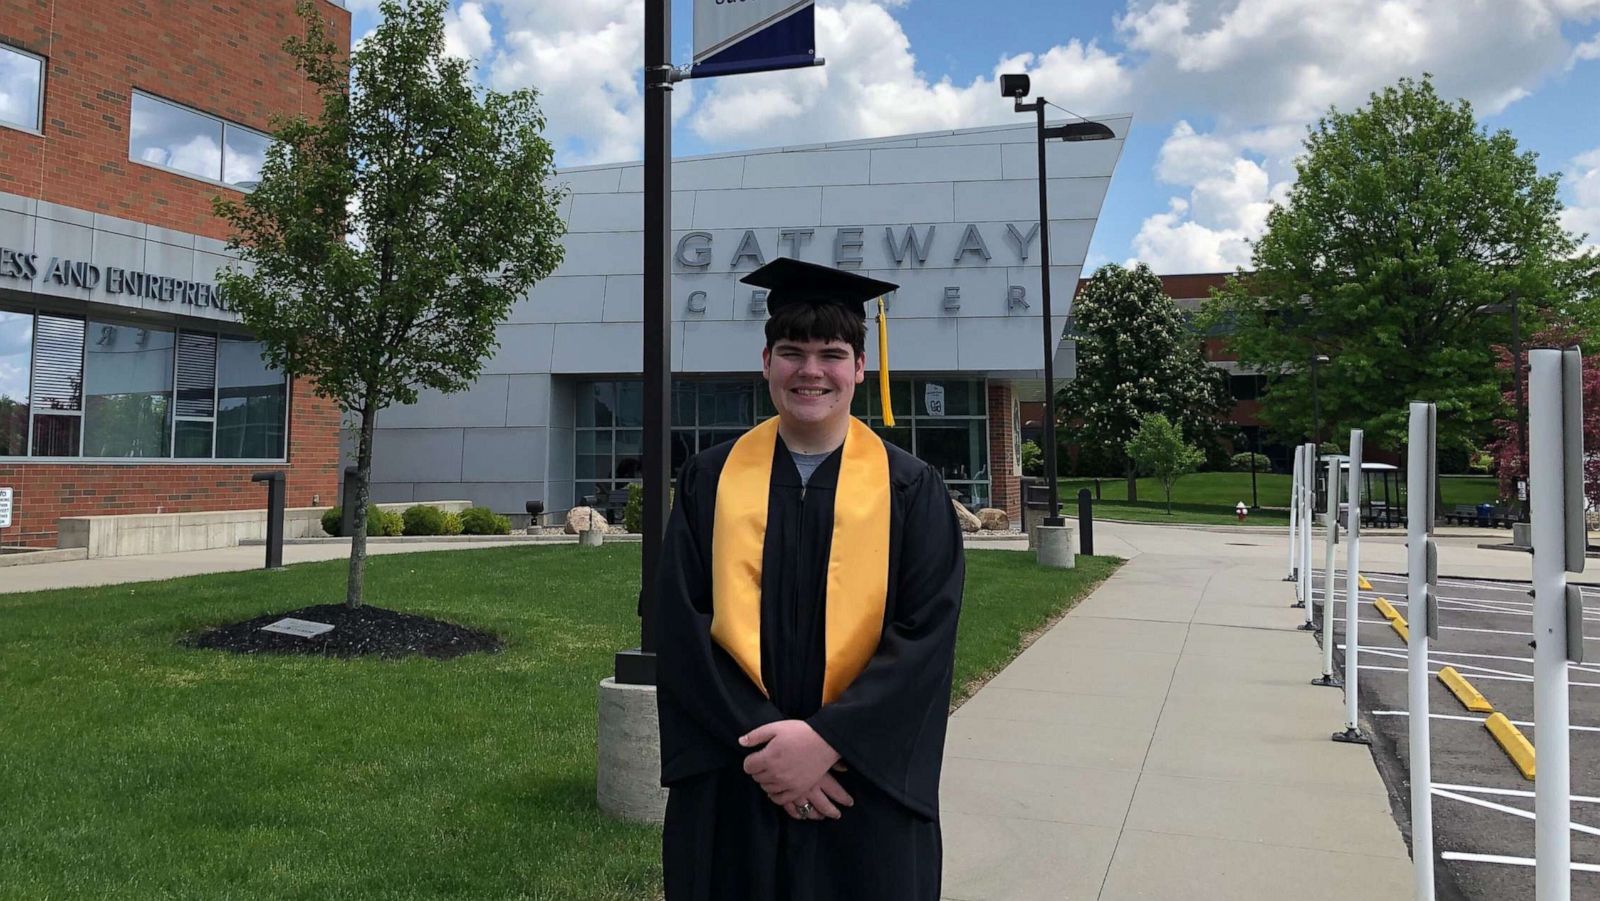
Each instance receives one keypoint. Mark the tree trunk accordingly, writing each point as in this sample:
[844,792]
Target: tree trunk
[1169,499]
[1133,483]
[358,541]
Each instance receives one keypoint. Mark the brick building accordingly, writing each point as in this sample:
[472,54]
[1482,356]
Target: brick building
[1189,292]
[126,385]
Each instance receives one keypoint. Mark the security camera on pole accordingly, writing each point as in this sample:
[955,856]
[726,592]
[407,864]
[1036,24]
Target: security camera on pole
[1560,540]
[729,39]
[1055,537]
[1422,578]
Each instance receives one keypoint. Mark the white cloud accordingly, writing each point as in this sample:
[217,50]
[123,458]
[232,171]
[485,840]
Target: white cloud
[1582,215]
[1265,68]
[466,31]
[584,59]
[1587,50]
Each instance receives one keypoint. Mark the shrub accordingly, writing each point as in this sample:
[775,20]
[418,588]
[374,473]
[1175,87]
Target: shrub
[1241,462]
[1032,459]
[483,521]
[379,522]
[633,511]
[423,519]
[1328,449]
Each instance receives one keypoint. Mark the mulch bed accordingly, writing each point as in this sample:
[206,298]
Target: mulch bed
[362,632]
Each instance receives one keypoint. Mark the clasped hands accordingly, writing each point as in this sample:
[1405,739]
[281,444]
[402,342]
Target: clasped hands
[794,769]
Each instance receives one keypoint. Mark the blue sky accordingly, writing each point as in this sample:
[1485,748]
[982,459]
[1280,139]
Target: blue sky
[1221,90]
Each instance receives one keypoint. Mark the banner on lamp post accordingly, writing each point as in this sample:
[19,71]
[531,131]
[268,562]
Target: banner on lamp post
[732,37]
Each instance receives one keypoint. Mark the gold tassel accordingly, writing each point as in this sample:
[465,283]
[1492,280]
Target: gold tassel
[883,365]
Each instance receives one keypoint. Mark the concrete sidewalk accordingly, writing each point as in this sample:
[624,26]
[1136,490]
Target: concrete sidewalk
[1163,742]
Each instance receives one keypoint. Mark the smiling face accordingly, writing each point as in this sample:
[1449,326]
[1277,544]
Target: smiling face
[812,382]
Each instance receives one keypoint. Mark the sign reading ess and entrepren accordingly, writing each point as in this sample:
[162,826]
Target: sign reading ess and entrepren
[18,266]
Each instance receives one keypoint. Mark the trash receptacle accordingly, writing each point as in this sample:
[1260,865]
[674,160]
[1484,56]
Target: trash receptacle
[1485,515]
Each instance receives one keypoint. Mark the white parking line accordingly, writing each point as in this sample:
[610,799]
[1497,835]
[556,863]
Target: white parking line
[1513,861]
[1502,808]
[1509,792]
[1475,719]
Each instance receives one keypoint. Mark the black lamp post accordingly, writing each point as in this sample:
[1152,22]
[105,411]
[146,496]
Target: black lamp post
[1250,446]
[1510,306]
[1017,87]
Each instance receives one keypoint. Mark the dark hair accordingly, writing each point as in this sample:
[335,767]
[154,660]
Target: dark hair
[817,322]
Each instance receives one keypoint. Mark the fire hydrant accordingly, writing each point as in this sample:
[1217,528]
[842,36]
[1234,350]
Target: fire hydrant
[1242,510]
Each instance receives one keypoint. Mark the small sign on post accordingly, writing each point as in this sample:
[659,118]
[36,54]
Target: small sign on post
[5,508]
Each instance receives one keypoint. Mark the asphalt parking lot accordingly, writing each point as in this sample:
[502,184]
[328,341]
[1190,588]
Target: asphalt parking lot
[1482,806]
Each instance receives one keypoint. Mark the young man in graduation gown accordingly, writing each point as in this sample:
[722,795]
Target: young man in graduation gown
[811,582]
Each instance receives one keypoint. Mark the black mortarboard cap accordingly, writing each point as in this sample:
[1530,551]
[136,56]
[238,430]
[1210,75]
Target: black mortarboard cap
[792,281]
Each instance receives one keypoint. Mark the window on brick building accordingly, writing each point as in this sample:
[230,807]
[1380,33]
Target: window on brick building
[252,402]
[108,390]
[127,391]
[16,356]
[21,88]
[163,133]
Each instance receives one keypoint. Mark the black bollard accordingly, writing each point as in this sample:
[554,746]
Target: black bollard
[347,519]
[274,482]
[1085,522]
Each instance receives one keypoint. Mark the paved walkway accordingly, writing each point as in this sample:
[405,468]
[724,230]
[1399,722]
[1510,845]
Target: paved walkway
[1163,742]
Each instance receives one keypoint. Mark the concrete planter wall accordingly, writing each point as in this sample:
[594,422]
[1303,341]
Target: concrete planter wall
[165,533]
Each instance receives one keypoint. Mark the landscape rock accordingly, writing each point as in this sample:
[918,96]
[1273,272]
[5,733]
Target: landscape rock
[994,519]
[578,520]
[969,522]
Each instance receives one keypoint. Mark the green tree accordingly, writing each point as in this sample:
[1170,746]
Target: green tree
[390,234]
[1137,356]
[1158,449]
[1406,218]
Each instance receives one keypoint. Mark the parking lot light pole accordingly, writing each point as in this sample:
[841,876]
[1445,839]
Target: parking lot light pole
[1017,87]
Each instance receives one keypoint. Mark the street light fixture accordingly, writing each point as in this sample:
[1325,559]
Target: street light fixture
[1513,302]
[1017,86]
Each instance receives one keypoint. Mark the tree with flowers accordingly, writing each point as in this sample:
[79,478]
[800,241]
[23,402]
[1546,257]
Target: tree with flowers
[1137,357]
[1510,467]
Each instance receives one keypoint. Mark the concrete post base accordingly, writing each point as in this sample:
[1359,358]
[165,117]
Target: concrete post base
[1055,547]
[628,779]
[1522,534]
[591,538]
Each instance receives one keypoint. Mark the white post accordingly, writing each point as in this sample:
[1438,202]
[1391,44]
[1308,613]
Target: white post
[1419,482]
[1294,516]
[1352,597]
[1308,497]
[1552,790]
[1330,535]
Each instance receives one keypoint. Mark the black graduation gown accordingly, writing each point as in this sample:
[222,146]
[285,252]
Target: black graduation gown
[724,839]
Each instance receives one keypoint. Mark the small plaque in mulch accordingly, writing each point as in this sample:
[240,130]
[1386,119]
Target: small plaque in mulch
[361,632]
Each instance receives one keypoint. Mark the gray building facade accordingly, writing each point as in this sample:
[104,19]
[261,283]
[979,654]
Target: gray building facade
[950,216]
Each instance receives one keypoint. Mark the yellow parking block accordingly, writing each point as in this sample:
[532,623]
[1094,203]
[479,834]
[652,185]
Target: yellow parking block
[1513,742]
[1400,629]
[1387,609]
[1469,696]
[1362,581]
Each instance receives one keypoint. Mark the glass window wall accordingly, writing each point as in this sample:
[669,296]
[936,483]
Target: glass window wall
[948,428]
[128,391]
[107,390]
[16,355]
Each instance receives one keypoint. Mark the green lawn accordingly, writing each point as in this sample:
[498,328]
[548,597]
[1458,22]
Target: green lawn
[1210,497]
[133,768]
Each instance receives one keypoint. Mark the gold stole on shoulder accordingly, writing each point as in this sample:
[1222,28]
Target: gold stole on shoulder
[858,557]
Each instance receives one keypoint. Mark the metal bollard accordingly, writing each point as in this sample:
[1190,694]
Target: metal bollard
[274,482]
[352,481]
[1085,522]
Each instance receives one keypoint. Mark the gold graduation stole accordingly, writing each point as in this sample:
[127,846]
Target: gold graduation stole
[858,557]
